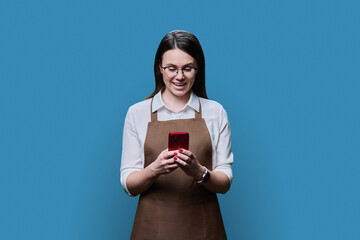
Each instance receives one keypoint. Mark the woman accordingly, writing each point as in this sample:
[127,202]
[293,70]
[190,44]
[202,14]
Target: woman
[178,188]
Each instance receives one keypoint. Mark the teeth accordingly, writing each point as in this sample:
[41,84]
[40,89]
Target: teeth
[179,84]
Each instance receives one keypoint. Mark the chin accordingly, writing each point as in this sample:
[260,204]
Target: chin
[180,94]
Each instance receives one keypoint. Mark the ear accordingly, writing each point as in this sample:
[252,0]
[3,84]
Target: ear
[161,69]
[197,67]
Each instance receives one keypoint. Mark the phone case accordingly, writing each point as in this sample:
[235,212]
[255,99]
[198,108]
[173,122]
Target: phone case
[178,140]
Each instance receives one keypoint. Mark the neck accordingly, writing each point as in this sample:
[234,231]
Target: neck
[173,102]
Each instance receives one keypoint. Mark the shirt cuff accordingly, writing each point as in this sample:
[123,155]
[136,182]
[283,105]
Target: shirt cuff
[225,169]
[124,175]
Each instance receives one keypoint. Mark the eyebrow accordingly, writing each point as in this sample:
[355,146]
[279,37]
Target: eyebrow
[186,65]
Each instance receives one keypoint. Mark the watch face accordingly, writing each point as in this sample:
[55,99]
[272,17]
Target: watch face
[207,176]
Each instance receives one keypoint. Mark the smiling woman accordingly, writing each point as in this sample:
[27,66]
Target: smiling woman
[178,188]
[177,91]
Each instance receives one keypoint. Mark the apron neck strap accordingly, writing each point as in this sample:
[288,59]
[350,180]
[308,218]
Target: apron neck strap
[198,114]
[154,114]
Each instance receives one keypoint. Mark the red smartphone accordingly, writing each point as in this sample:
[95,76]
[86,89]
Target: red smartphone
[178,140]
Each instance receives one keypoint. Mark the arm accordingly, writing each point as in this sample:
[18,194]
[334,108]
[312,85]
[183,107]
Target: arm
[135,178]
[139,181]
[221,175]
[223,154]
[218,182]
[131,158]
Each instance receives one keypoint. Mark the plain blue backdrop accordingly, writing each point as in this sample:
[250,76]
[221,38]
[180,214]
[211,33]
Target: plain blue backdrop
[287,72]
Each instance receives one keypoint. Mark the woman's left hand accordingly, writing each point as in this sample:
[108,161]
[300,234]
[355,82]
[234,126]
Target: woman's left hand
[189,164]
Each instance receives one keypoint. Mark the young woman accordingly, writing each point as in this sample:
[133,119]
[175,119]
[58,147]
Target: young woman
[178,188]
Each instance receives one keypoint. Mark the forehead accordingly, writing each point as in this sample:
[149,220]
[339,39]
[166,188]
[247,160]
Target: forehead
[177,57]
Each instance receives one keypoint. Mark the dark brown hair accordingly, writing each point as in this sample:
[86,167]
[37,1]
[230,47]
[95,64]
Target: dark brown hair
[188,43]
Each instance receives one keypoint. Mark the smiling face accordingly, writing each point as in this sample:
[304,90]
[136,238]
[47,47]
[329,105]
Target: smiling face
[178,86]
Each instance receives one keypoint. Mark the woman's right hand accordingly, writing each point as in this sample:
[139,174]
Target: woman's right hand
[139,181]
[164,163]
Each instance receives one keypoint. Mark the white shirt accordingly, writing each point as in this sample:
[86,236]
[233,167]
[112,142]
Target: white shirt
[135,129]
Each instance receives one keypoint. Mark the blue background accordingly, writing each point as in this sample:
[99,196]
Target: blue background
[287,72]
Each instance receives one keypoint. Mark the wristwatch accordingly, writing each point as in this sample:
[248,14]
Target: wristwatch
[205,177]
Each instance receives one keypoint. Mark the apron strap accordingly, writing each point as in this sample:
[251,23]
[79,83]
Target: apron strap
[198,114]
[154,118]
[153,114]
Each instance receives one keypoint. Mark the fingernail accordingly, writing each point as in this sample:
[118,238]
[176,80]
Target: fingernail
[180,150]
[175,158]
[175,153]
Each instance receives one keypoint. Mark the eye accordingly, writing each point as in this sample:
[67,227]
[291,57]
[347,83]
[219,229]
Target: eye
[172,69]
[187,69]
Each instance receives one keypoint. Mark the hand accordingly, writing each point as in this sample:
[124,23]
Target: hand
[189,164]
[164,164]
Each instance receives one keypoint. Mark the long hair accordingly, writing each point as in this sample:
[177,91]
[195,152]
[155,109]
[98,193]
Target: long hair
[188,43]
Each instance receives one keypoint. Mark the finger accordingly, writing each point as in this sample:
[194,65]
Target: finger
[185,152]
[164,151]
[188,153]
[183,157]
[172,166]
[166,162]
[163,154]
[168,154]
[181,162]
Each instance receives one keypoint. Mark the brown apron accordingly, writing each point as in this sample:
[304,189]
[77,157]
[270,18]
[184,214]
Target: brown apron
[175,207]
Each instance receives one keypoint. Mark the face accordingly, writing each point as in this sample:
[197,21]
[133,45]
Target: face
[180,84]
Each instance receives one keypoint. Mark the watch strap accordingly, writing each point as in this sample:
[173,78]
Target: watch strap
[205,177]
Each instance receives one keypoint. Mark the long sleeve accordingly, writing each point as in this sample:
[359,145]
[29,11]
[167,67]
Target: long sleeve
[131,150]
[223,153]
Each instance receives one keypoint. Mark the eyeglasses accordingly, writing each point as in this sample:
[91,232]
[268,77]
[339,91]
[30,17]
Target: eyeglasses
[173,71]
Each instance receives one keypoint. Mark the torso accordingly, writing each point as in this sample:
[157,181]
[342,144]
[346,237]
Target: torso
[175,206]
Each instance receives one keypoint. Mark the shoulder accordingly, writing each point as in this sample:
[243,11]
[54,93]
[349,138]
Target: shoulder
[140,107]
[214,112]
[139,110]
[211,106]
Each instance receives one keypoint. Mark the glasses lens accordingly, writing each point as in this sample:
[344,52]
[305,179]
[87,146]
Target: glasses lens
[172,72]
[188,71]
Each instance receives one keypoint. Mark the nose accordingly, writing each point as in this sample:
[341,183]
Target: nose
[180,74]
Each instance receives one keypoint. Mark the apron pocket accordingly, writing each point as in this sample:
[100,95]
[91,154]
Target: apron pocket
[181,220]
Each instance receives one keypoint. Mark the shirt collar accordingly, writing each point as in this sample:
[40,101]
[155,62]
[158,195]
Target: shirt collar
[158,102]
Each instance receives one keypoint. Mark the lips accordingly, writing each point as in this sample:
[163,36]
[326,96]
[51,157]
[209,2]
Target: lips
[179,84]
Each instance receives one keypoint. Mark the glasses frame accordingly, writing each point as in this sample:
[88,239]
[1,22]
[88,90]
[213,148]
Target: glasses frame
[177,70]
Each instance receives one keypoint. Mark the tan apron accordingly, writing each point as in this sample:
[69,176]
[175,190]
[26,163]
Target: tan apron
[175,207]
